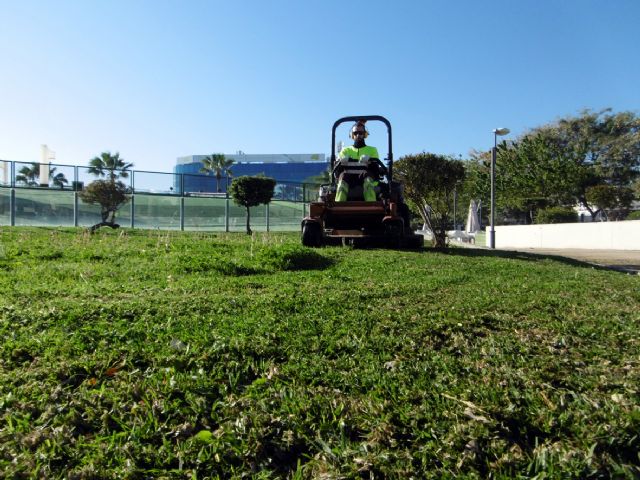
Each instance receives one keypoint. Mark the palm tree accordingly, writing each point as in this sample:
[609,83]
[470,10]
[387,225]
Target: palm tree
[58,180]
[217,164]
[107,165]
[29,175]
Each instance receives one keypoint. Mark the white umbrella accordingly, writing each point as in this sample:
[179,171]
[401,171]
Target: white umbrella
[473,224]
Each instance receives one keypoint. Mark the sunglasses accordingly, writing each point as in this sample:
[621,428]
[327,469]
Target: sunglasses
[358,132]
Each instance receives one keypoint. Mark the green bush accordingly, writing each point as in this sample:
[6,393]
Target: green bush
[252,191]
[556,215]
[634,215]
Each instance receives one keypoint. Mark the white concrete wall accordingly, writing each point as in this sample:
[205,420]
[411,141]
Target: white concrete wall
[623,235]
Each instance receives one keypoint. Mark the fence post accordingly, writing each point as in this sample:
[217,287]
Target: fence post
[75,196]
[133,210]
[226,214]
[132,186]
[12,207]
[181,213]
[12,196]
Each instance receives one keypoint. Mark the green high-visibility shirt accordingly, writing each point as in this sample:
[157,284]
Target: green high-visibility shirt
[356,153]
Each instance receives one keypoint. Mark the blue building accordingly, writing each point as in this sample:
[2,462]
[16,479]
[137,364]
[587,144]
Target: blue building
[285,168]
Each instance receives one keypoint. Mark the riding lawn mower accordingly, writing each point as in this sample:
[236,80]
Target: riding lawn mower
[383,222]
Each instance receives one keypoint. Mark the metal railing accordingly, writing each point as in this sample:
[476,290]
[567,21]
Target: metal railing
[158,200]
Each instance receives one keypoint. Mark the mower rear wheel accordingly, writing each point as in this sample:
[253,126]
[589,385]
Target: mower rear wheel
[311,235]
[413,241]
[393,234]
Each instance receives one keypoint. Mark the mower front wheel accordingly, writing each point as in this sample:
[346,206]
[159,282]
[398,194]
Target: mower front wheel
[311,235]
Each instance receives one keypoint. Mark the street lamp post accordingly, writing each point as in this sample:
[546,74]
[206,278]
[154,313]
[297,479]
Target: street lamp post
[455,205]
[492,231]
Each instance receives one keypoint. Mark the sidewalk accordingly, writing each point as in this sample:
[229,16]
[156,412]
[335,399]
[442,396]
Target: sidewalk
[623,260]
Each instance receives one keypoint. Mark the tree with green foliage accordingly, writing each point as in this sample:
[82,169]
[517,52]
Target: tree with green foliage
[510,202]
[560,162]
[608,143]
[109,165]
[556,215]
[110,194]
[57,179]
[612,202]
[250,192]
[429,182]
[636,188]
[533,173]
[556,164]
[217,164]
[30,175]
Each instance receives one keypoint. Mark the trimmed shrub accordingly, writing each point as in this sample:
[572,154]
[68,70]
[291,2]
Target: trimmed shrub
[250,191]
[633,215]
[556,215]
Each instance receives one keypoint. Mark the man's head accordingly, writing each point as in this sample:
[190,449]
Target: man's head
[359,133]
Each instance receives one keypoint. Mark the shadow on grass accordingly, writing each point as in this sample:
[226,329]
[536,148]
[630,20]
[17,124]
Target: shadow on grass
[531,257]
[293,259]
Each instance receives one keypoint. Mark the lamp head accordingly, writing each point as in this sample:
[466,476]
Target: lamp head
[501,131]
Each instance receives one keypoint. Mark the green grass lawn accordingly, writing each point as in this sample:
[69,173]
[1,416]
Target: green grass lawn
[139,354]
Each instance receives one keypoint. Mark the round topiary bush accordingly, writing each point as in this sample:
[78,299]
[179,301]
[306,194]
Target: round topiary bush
[556,215]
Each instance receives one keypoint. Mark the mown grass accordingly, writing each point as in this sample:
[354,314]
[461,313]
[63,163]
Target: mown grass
[138,354]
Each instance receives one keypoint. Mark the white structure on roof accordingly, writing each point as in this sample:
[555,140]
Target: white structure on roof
[241,157]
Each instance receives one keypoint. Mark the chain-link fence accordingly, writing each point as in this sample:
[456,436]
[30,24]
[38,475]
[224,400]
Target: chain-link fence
[33,194]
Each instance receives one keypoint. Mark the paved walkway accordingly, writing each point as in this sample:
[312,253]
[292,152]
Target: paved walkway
[624,260]
[621,260]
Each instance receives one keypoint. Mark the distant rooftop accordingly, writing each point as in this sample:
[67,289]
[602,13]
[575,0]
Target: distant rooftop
[260,158]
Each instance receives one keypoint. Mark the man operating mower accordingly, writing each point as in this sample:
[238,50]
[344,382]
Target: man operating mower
[359,152]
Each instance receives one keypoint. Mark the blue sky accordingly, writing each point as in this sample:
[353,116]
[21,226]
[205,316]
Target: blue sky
[156,80]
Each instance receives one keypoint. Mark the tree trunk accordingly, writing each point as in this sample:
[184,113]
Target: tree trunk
[438,229]
[95,227]
[248,219]
[439,239]
[583,200]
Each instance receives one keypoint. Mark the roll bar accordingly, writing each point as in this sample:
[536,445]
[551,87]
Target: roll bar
[365,118]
